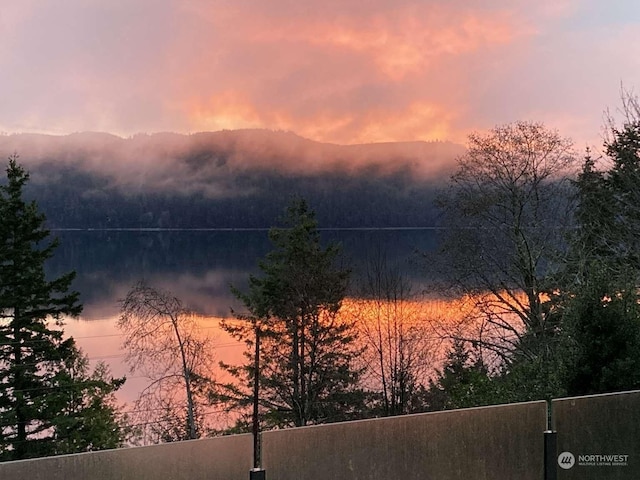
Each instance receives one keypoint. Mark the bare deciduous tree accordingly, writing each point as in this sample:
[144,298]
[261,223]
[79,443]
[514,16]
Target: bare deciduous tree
[164,344]
[504,212]
[399,344]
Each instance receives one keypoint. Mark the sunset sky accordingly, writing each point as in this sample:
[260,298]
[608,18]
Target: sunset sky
[334,71]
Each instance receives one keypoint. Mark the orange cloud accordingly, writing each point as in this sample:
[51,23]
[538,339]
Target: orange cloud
[391,72]
[402,41]
[406,45]
[225,111]
[338,70]
[417,121]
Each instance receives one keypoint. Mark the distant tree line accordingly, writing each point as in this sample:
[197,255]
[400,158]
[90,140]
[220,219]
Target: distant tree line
[373,199]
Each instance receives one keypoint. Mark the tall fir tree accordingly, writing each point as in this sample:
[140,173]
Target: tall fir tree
[308,351]
[591,239]
[40,368]
[599,300]
[602,336]
[624,182]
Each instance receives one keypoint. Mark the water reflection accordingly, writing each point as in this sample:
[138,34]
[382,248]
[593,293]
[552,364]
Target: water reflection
[198,267]
[429,318]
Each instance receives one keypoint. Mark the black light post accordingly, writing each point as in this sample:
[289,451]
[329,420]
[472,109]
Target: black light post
[550,455]
[256,473]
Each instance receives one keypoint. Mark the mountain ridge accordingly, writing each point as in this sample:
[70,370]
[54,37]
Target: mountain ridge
[228,179]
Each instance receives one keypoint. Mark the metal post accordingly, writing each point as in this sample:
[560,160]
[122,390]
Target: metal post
[256,472]
[550,455]
[256,390]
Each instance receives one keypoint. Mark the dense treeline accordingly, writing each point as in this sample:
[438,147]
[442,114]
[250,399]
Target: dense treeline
[85,200]
[239,179]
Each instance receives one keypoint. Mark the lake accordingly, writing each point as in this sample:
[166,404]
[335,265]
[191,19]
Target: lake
[197,266]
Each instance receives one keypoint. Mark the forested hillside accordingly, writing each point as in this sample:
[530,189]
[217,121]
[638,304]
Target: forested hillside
[239,179]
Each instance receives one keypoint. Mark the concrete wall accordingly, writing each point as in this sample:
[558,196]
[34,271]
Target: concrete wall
[222,458]
[599,425]
[502,442]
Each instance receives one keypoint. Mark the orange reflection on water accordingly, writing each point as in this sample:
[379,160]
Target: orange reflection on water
[436,313]
[427,324]
[483,319]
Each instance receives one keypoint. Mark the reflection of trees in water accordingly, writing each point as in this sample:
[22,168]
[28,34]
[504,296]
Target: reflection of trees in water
[483,322]
[429,326]
[199,266]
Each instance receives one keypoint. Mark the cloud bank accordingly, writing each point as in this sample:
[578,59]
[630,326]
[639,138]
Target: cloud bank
[344,72]
[212,163]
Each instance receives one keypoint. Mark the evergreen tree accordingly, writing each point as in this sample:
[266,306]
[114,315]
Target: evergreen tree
[599,299]
[624,183]
[307,350]
[42,373]
[462,382]
[591,239]
[602,328]
[87,415]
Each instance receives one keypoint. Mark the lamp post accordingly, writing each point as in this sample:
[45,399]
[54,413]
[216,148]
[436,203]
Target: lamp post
[256,473]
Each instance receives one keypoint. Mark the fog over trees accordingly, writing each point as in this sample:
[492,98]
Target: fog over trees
[227,179]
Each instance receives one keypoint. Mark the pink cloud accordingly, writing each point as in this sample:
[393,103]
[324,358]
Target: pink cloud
[341,77]
[341,71]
